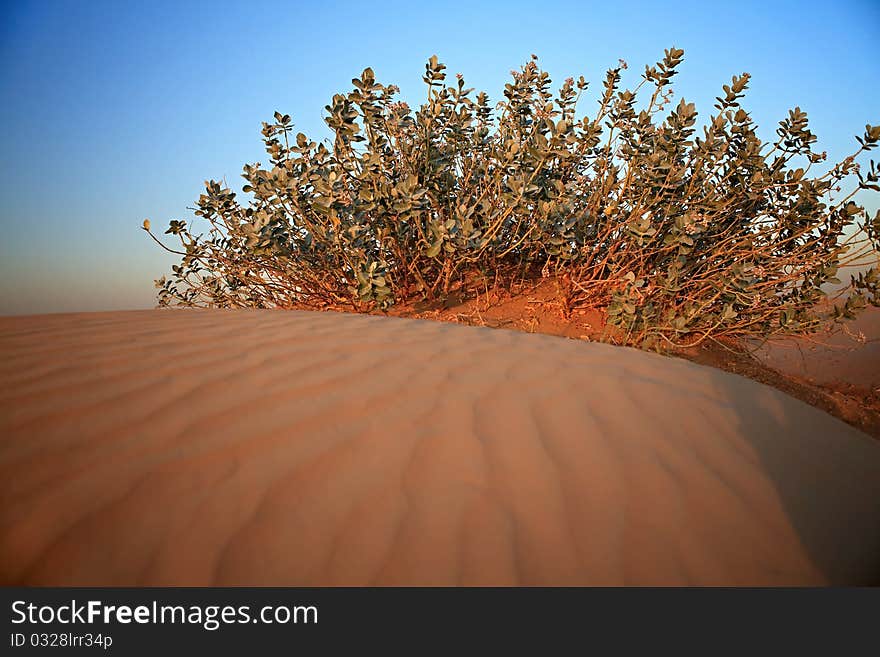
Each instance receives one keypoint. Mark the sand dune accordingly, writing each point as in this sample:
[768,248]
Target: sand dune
[839,358]
[289,448]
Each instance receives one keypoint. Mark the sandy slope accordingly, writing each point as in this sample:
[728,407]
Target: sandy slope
[236,447]
[836,359]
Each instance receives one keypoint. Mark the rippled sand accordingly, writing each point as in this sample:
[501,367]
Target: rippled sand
[293,448]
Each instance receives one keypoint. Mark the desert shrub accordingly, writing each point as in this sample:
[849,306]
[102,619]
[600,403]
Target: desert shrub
[678,235]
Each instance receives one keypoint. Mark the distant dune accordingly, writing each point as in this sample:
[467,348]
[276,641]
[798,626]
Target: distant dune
[289,448]
[835,359]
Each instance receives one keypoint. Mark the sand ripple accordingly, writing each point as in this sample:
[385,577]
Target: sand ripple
[291,448]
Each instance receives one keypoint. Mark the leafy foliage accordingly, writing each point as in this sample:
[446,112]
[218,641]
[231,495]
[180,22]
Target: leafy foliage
[679,235]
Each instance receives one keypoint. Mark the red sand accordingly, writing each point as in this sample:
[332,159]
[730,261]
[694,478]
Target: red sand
[291,448]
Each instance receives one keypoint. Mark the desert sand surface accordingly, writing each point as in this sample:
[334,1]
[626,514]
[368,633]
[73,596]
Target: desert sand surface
[211,447]
[851,356]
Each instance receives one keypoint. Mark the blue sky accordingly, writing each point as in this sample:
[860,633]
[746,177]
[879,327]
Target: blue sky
[115,112]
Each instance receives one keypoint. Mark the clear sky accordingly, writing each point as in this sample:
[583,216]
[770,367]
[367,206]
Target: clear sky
[112,112]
